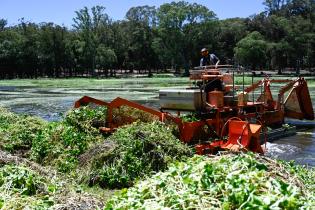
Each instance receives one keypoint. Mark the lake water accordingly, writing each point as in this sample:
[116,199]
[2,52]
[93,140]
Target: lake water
[52,103]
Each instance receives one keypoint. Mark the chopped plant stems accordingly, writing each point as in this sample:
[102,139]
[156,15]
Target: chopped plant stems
[190,117]
[124,112]
[18,132]
[87,119]
[22,188]
[244,181]
[142,148]
[54,143]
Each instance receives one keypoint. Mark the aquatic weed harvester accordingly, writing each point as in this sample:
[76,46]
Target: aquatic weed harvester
[213,107]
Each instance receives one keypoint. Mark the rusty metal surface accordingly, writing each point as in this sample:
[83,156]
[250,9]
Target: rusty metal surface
[298,104]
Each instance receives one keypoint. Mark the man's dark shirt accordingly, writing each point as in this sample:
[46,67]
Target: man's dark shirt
[211,59]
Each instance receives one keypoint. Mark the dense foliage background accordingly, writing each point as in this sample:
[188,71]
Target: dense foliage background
[170,36]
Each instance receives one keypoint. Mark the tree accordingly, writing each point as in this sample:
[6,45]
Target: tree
[90,28]
[304,8]
[182,28]
[279,54]
[29,49]
[143,14]
[138,31]
[9,53]
[251,50]
[105,58]
[170,36]
[3,23]
[273,6]
[52,54]
[231,31]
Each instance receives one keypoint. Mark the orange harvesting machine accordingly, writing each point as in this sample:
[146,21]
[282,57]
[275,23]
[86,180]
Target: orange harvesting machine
[214,108]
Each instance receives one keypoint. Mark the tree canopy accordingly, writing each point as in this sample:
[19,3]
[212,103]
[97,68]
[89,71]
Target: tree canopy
[170,36]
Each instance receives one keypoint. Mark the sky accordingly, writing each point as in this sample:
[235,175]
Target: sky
[62,11]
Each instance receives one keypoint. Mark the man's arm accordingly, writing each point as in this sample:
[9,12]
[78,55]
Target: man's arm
[217,63]
[218,60]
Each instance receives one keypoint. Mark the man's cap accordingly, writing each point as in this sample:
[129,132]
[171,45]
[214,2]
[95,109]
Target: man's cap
[204,49]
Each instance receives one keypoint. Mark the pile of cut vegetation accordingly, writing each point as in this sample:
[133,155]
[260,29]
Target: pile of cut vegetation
[140,150]
[51,143]
[75,146]
[27,185]
[21,188]
[75,150]
[17,132]
[244,181]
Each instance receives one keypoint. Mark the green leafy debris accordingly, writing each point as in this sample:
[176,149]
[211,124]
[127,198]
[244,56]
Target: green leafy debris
[243,181]
[53,143]
[61,143]
[142,149]
[22,188]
